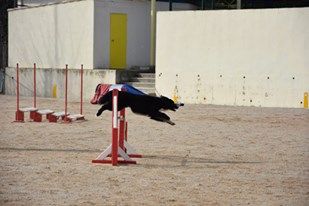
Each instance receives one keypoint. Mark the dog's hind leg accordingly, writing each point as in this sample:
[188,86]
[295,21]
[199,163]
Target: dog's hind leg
[159,116]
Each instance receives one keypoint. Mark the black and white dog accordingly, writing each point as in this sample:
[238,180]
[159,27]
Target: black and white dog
[140,104]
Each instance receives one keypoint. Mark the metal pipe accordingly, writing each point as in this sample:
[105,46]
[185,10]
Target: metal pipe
[238,4]
[153,32]
[171,5]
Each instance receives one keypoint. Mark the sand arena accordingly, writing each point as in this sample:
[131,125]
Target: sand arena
[214,155]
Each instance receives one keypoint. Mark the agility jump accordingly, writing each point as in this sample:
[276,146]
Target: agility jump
[119,147]
[116,98]
[65,115]
[19,114]
[36,114]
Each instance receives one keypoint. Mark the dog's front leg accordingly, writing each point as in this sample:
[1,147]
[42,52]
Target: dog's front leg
[104,107]
[159,116]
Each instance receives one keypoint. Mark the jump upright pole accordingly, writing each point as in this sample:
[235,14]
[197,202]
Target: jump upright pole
[66,95]
[17,86]
[81,88]
[34,85]
[122,121]
[19,115]
[32,113]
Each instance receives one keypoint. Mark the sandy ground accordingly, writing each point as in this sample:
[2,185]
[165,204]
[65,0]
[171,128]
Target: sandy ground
[214,155]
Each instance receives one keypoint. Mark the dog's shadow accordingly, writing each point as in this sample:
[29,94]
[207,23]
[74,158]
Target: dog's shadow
[187,161]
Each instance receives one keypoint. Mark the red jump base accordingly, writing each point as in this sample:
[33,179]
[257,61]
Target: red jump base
[110,161]
[19,116]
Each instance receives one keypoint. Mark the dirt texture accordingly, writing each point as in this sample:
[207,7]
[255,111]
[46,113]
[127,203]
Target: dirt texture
[214,155]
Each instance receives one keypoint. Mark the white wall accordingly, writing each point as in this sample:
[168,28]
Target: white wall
[52,35]
[138,29]
[77,32]
[234,57]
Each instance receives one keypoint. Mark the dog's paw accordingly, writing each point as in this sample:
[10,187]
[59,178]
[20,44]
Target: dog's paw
[170,122]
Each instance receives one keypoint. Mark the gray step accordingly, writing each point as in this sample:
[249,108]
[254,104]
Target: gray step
[147,90]
[142,84]
[147,75]
[143,79]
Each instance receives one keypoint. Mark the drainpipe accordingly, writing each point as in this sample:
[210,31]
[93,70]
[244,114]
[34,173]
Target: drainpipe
[153,33]
[171,5]
[238,4]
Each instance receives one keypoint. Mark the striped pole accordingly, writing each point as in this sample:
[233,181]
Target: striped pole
[115,128]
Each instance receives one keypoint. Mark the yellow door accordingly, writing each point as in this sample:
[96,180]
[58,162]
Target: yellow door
[118,41]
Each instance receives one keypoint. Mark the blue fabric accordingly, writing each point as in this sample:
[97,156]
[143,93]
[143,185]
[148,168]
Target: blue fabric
[102,89]
[126,87]
[132,90]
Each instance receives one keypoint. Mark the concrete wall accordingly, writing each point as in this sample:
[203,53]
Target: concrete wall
[52,35]
[234,57]
[78,32]
[138,29]
[47,79]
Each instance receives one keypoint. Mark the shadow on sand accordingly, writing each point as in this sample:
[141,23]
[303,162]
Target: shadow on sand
[156,161]
[173,161]
[48,150]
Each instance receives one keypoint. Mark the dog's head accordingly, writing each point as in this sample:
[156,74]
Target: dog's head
[168,104]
